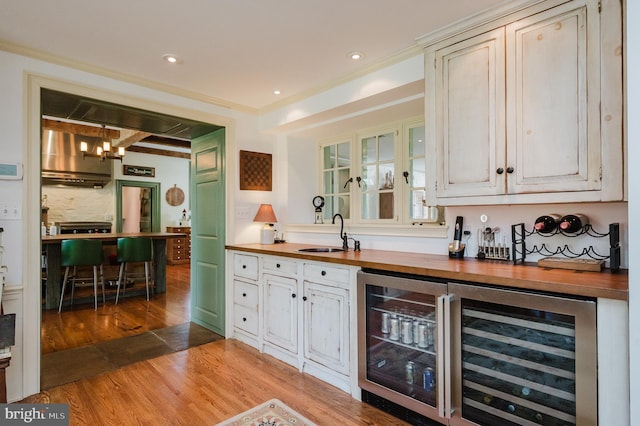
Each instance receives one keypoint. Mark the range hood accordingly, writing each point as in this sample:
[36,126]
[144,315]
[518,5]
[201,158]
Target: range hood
[63,163]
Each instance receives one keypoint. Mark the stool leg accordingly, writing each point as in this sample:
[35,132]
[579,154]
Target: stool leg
[120,274]
[64,283]
[146,277]
[95,287]
[102,282]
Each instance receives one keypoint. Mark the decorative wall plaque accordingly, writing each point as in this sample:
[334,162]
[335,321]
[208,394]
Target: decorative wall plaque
[138,171]
[255,171]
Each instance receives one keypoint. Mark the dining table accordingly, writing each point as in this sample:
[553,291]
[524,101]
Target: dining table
[52,252]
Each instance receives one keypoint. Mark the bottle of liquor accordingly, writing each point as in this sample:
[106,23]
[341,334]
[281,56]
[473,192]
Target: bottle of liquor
[546,224]
[573,223]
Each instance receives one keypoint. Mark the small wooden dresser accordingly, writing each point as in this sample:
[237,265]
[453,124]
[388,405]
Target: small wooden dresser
[179,249]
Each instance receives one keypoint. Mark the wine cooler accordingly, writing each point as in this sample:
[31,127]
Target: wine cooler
[465,354]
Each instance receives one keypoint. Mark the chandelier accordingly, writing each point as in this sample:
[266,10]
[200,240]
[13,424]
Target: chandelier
[103,152]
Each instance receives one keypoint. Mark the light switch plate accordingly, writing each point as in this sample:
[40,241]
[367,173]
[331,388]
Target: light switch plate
[9,212]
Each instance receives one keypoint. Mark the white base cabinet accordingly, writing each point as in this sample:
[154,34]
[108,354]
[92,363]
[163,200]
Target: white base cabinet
[301,312]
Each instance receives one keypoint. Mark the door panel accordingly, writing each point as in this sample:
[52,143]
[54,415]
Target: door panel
[207,232]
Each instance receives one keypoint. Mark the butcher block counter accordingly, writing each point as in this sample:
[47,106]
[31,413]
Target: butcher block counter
[522,276]
[51,245]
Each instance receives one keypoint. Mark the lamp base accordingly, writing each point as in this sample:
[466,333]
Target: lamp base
[267,236]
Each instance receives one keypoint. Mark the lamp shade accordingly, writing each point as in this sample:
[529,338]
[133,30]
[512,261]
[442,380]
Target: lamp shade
[265,214]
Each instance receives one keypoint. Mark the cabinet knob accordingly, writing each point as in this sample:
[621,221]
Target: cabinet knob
[244,294]
[500,170]
[509,169]
[244,319]
[323,273]
[293,295]
[304,298]
[277,265]
[244,266]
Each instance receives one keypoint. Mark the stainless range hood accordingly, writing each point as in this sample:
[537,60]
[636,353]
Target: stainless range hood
[63,163]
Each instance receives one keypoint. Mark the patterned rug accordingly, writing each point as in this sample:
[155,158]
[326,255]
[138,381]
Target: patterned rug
[270,413]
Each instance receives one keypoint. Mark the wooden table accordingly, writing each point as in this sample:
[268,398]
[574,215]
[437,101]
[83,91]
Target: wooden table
[52,248]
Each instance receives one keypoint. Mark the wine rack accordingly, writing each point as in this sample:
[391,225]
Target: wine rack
[518,365]
[520,250]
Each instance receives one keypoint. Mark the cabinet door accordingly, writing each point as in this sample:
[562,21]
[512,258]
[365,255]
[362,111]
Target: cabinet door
[553,97]
[468,109]
[326,326]
[281,312]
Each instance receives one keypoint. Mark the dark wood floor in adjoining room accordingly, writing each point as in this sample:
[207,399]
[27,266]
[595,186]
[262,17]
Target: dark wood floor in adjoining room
[81,325]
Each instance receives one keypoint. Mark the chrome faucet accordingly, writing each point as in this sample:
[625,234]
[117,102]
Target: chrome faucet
[343,236]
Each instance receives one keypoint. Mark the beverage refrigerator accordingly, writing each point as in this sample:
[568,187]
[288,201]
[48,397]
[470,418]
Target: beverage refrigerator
[471,354]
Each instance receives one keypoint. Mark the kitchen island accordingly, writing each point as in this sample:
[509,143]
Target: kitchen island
[51,246]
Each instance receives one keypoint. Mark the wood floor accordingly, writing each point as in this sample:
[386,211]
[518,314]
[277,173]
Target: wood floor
[203,385]
[82,325]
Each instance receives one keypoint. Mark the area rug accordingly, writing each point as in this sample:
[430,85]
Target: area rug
[270,413]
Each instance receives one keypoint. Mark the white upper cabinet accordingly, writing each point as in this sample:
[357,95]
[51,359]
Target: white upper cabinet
[527,108]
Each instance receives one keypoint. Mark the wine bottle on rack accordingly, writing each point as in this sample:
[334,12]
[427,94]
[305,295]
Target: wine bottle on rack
[573,223]
[547,223]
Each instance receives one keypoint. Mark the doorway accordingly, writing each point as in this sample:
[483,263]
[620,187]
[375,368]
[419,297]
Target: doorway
[137,206]
[32,321]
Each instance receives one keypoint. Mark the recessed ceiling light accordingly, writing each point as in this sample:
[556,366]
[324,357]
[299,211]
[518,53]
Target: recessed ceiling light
[172,59]
[276,92]
[356,56]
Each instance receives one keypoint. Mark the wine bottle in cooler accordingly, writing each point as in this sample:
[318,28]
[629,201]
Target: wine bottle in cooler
[547,223]
[573,223]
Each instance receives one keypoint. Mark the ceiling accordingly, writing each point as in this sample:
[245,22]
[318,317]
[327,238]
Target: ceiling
[232,52]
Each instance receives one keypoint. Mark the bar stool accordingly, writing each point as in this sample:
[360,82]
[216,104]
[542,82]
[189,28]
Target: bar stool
[133,250]
[82,252]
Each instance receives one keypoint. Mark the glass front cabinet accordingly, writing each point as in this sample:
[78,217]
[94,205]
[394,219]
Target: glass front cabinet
[465,354]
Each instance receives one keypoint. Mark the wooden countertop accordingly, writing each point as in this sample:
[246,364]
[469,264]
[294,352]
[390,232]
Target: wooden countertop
[523,276]
[112,236]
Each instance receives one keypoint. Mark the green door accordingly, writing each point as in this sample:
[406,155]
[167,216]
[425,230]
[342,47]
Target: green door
[207,231]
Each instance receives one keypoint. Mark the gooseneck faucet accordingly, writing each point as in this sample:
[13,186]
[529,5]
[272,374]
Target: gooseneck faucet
[343,235]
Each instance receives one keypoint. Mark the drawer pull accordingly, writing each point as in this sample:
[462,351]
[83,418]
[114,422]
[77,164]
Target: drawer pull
[244,266]
[277,265]
[244,319]
[323,273]
[293,296]
[304,298]
[244,294]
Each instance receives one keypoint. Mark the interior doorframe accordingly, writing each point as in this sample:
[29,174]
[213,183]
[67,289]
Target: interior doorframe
[31,262]
[155,198]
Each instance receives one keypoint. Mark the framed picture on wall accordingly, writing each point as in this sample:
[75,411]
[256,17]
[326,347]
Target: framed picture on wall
[255,171]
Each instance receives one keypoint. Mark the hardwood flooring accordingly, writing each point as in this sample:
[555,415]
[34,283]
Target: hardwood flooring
[81,325]
[205,385]
[202,385]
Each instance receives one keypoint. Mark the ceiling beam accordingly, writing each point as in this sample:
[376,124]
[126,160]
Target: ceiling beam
[166,153]
[131,138]
[160,140]
[80,129]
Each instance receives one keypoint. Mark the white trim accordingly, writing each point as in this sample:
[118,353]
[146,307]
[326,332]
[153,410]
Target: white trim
[426,230]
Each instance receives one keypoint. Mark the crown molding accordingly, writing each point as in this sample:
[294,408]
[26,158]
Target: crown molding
[104,72]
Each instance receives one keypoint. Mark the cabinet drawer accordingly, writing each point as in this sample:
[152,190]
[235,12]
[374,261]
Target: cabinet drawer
[245,266]
[245,294]
[326,273]
[245,319]
[275,264]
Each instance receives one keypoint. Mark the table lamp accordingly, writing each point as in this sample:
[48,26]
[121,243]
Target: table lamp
[265,214]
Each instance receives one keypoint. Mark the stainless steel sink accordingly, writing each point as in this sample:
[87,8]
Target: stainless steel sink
[321,250]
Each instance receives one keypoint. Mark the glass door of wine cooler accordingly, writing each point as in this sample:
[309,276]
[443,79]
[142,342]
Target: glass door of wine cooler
[400,339]
[522,359]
